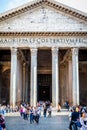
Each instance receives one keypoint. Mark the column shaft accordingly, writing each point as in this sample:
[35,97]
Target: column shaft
[75,69]
[0,82]
[33,89]
[27,76]
[70,80]
[19,80]
[24,81]
[55,77]
[13,78]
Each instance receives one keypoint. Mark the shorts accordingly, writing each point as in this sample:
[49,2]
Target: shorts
[3,126]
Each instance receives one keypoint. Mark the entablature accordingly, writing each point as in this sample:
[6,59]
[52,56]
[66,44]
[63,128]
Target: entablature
[43,39]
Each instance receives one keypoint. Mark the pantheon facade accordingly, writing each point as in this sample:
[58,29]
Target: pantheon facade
[43,54]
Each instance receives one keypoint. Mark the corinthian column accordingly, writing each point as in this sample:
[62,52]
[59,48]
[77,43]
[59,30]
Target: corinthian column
[13,81]
[0,81]
[24,80]
[33,89]
[26,89]
[75,70]
[55,77]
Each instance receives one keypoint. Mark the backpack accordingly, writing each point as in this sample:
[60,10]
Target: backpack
[78,124]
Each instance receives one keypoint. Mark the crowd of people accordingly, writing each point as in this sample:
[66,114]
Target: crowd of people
[77,114]
[78,118]
[27,112]
[31,113]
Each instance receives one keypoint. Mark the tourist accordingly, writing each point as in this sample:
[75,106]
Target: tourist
[83,121]
[49,111]
[45,111]
[70,117]
[21,111]
[66,105]
[2,122]
[59,107]
[36,114]
[31,115]
[24,113]
[39,110]
[74,118]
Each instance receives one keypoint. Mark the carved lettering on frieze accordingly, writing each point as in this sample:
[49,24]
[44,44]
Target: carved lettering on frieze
[43,41]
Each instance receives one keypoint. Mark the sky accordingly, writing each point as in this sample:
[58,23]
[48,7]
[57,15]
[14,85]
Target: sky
[10,4]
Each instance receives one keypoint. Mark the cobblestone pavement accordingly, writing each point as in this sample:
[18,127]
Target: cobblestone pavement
[58,121]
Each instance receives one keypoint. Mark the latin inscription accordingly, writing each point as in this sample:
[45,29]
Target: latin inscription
[18,42]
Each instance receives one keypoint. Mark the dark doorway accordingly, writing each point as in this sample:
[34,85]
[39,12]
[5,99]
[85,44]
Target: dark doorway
[44,93]
[44,87]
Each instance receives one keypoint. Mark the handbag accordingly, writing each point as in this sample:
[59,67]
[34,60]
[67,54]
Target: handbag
[78,124]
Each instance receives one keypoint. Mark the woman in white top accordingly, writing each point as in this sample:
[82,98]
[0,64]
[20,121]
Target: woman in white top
[83,121]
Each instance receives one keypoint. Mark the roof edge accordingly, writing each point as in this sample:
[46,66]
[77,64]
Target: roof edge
[36,3]
[43,33]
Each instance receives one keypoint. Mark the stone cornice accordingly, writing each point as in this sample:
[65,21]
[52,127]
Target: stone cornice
[38,3]
[43,34]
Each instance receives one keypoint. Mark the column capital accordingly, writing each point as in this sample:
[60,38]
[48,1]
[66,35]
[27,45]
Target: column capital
[55,50]
[75,51]
[34,51]
[14,50]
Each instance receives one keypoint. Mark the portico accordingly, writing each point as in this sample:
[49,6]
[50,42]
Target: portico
[21,81]
[45,58]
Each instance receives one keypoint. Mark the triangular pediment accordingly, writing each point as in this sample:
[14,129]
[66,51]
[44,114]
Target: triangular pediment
[41,16]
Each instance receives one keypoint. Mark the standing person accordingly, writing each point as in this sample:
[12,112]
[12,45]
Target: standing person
[45,111]
[24,113]
[59,107]
[50,111]
[2,122]
[74,118]
[36,115]
[21,111]
[83,121]
[31,115]
[39,110]
[70,117]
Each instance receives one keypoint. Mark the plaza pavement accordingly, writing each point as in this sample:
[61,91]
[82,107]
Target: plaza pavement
[58,121]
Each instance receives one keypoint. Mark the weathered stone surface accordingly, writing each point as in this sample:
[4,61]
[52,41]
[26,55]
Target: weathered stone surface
[42,19]
[43,41]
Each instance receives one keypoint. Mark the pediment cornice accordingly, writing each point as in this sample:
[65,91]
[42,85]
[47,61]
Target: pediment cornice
[43,34]
[38,3]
